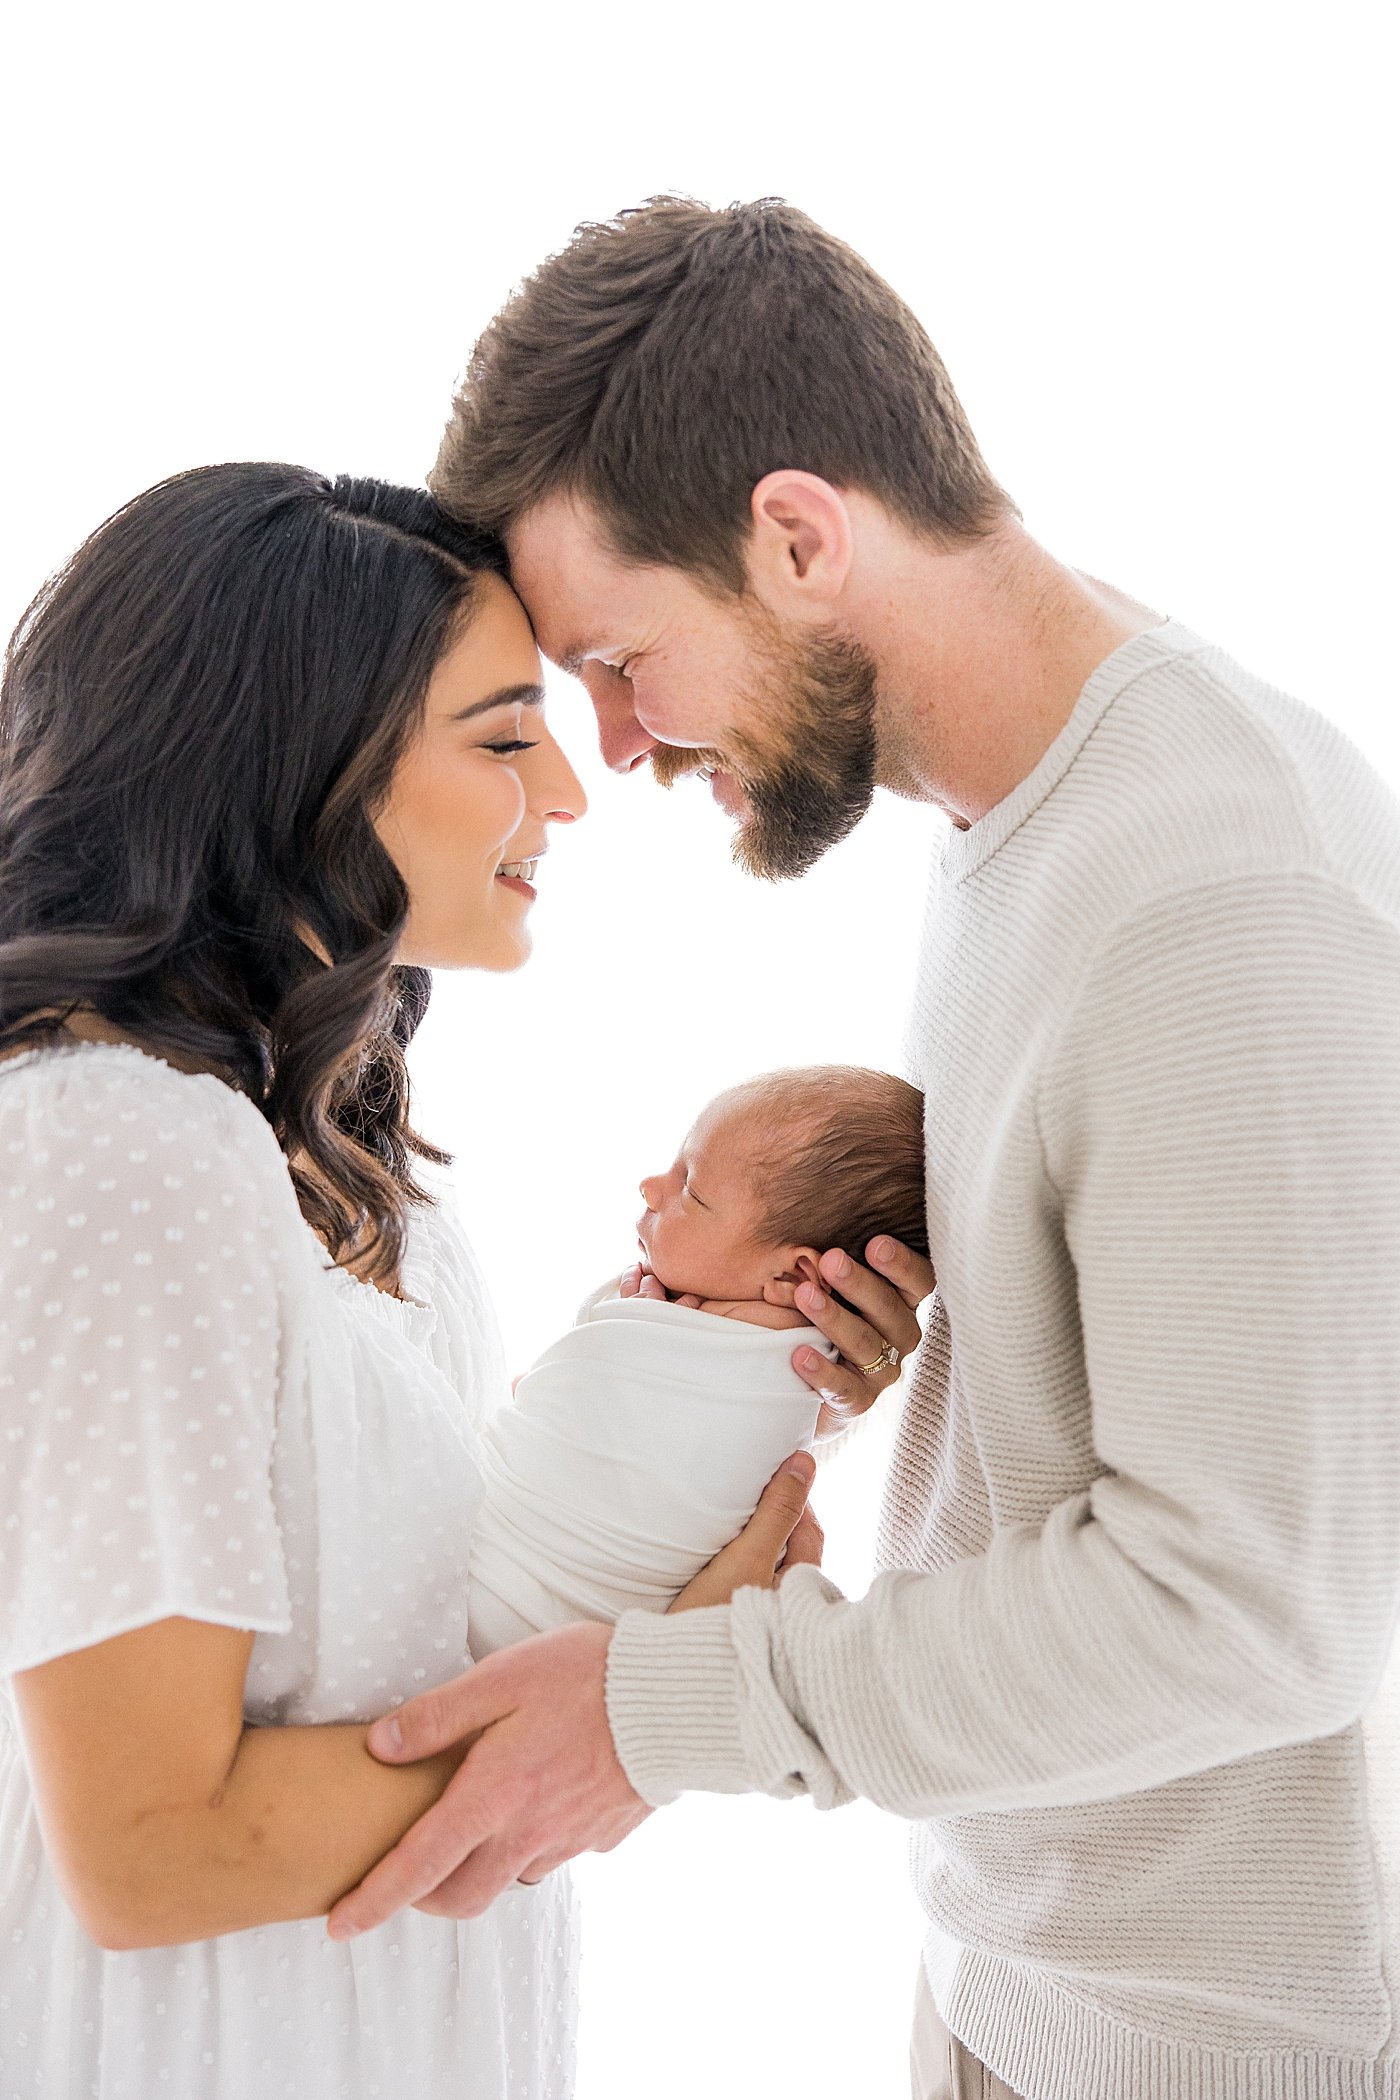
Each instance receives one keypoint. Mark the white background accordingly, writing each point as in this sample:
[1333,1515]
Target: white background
[1156,250]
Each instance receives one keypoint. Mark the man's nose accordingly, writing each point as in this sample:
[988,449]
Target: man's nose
[621,738]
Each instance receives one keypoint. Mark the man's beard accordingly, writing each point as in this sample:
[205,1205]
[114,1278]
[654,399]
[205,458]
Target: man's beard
[810,780]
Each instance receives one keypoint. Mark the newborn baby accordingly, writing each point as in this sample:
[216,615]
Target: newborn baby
[639,1443]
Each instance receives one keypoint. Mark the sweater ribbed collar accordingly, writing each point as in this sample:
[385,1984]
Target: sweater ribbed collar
[964,852]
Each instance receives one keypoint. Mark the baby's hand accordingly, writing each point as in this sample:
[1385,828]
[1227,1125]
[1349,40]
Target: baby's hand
[638,1282]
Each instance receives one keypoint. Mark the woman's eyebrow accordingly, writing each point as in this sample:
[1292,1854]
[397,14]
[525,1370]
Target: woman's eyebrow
[508,696]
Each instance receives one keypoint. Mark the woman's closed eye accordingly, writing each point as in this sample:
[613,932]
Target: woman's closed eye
[510,749]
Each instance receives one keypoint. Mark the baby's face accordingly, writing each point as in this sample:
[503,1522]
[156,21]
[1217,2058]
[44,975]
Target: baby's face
[699,1231]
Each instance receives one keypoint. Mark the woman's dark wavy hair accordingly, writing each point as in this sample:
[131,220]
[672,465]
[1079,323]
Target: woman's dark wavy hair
[200,715]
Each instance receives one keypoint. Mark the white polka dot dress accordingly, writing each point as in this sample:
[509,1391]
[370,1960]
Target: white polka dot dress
[199,1416]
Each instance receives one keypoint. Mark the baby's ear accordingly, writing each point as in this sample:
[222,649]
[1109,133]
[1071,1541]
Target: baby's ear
[807,1263]
[782,1289]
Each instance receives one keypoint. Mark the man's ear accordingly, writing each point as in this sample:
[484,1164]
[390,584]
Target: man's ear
[802,543]
[802,1268]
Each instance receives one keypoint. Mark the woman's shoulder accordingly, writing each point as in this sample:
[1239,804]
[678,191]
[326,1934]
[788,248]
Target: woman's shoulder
[62,1105]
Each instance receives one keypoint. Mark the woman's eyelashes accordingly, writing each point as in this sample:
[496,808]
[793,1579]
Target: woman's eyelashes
[515,745]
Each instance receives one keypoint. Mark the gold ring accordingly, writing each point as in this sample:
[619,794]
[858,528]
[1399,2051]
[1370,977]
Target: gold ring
[889,1356]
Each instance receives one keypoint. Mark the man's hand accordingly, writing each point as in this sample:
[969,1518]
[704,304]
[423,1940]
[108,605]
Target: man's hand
[886,1304]
[540,1782]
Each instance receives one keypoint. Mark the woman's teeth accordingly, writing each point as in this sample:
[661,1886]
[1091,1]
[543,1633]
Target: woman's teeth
[521,870]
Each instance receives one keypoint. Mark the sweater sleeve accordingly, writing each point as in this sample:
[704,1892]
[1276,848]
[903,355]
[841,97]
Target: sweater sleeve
[1220,1115]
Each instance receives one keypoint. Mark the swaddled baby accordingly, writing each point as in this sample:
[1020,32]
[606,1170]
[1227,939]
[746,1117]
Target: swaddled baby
[639,1443]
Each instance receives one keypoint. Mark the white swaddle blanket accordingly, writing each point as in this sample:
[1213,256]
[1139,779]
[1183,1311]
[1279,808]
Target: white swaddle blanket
[637,1446]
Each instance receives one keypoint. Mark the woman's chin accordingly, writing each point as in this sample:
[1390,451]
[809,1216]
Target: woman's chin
[500,957]
[505,957]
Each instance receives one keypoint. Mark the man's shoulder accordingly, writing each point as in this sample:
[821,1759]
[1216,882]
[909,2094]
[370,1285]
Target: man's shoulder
[1196,779]
[1203,768]
[1197,772]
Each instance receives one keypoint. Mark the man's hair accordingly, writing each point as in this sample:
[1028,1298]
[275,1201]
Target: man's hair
[666,360]
[842,1159]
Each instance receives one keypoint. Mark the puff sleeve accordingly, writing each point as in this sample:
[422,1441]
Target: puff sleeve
[140,1347]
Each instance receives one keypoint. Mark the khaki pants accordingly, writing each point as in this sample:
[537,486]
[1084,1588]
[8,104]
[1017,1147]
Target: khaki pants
[939,2066]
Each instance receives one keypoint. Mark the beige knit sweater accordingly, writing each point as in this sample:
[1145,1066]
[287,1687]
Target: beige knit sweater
[1129,1671]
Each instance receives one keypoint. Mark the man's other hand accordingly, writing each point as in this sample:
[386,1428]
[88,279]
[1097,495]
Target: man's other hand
[540,1783]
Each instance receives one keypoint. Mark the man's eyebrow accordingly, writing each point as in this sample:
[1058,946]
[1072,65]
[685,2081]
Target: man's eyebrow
[508,696]
[573,659]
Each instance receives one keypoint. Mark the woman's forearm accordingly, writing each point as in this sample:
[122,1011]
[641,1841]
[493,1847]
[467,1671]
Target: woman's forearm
[166,1818]
[302,1816]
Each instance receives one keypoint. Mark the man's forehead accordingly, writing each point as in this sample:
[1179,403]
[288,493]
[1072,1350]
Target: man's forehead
[566,578]
[559,538]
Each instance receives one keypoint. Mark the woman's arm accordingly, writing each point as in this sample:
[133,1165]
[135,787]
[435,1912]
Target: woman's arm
[166,1819]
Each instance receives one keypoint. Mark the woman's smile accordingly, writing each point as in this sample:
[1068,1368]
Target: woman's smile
[519,875]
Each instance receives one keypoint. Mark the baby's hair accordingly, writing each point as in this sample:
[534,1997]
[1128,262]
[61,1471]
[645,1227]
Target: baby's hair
[842,1158]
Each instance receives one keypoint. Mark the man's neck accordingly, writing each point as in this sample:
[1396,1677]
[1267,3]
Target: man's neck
[982,654]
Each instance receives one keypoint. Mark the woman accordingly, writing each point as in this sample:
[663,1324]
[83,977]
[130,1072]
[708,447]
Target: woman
[270,749]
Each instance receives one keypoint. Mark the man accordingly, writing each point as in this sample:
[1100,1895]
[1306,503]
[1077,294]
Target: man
[1129,1664]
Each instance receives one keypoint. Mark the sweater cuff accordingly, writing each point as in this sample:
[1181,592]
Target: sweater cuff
[672,1692]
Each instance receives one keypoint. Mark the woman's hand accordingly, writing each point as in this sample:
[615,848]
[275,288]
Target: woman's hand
[886,1304]
[781,1532]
